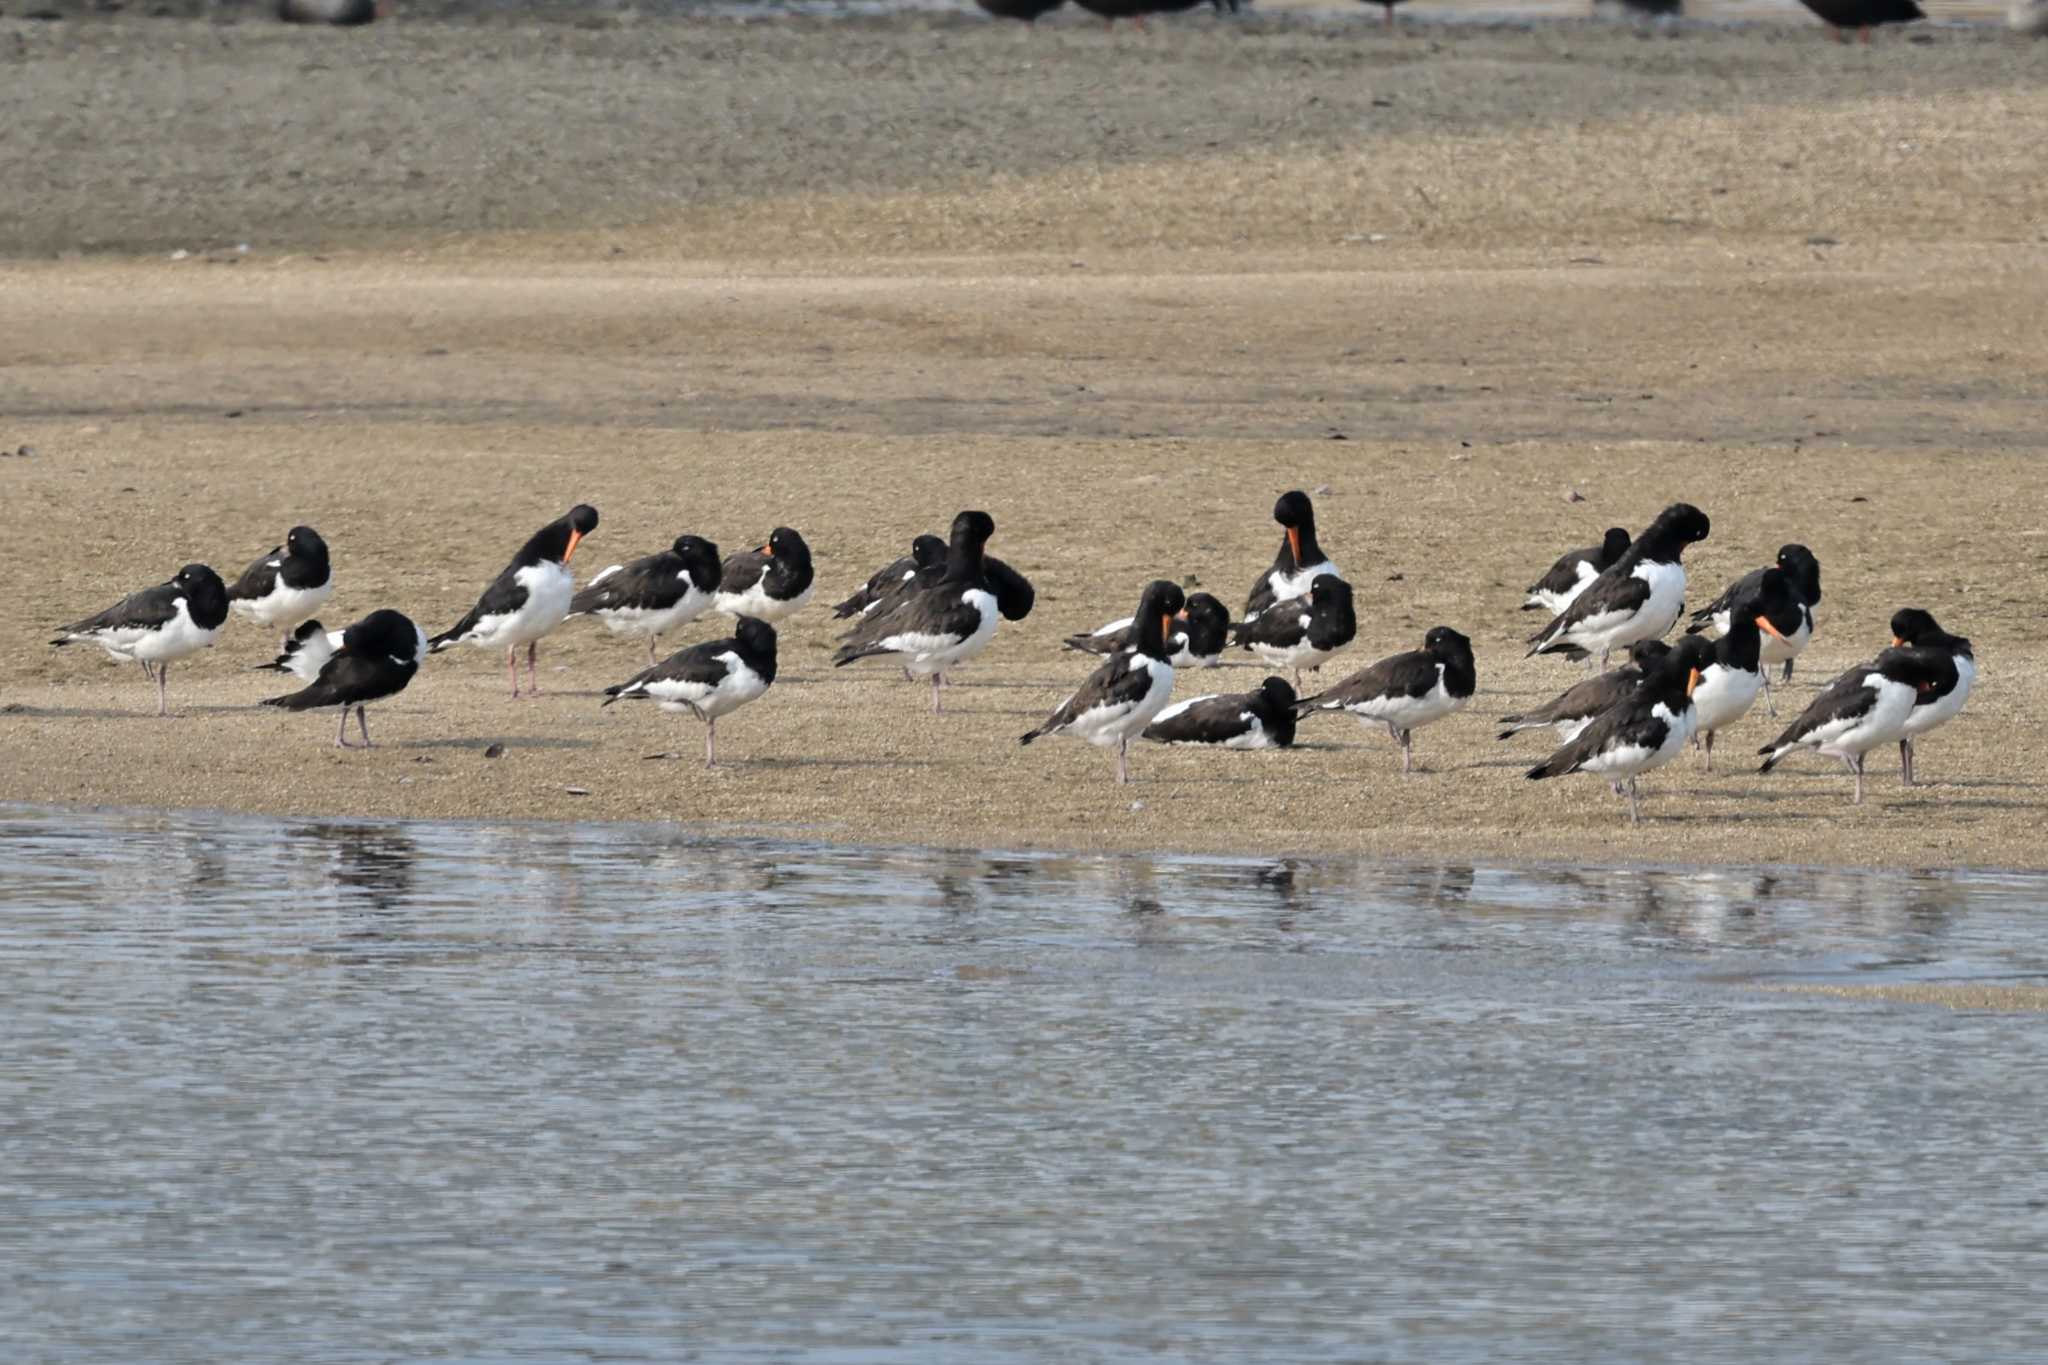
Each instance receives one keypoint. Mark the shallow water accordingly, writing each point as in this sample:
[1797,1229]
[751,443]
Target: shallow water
[335,1091]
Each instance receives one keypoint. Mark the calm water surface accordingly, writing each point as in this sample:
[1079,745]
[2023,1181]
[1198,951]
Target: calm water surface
[307,1091]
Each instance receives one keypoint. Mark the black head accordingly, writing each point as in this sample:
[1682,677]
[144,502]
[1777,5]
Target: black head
[786,544]
[1688,658]
[1678,525]
[1923,668]
[1613,545]
[700,559]
[1294,510]
[1912,626]
[1153,622]
[1278,694]
[303,542]
[927,550]
[1328,590]
[1647,654]
[1772,604]
[755,636]
[1203,609]
[971,530]
[556,542]
[1803,571]
[200,580]
[383,633]
[1445,643]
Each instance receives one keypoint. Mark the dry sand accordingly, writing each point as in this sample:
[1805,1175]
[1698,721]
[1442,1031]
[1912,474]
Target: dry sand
[855,277]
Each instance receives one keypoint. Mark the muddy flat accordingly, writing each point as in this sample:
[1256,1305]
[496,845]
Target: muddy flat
[853,277]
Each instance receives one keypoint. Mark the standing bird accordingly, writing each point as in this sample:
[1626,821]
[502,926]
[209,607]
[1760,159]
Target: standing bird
[287,585]
[1940,704]
[768,584]
[306,651]
[1262,718]
[1730,681]
[1296,634]
[1638,597]
[1864,708]
[1197,639]
[1405,692]
[1388,6]
[339,13]
[926,552]
[529,599]
[1574,570]
[1130,689]
[377,657]
[1578,705]
[1301,560]
[1644,730]
[652,596]
[1136,10]
[1795,632]
[934,626]
[159,625]
[1028,11]
[1863,15]
[708,680]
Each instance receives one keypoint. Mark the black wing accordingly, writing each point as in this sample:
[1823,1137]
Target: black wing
[1587,698]
[1845,697]
[878,585]
[145,610]
[1261,598]
[1211,720]
[652,584]
[1564,575]
[1610,592]
[939,609]
[1106,642]
[505,596]
[259,578]
[1400,675]
[1704,617]
[344,680]
[1282,625]
[1014,594]
[1625,724]
[698,664]
[743,570]
[1116,683]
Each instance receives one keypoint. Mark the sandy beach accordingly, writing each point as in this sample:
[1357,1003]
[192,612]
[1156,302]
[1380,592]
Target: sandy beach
[855,276]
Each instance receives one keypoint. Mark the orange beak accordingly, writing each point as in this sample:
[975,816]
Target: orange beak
[1763,624]
[1165,625]
[1294,544]
[575,539]
[769,549]
[1692,680]
[1897,642]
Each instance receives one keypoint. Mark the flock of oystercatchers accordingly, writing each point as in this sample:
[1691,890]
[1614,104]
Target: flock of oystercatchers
[1841,16]
[939,606]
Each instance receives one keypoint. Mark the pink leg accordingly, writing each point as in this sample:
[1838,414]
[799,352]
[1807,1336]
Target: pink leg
[532,667]
[711,742]
[937,707]
[163,703]
[341,737]
[512,666]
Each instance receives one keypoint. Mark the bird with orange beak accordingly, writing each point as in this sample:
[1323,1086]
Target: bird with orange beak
[1643,730]
[771,583]
[1132,686]
[1732,681]
[1301,560]
[529,599]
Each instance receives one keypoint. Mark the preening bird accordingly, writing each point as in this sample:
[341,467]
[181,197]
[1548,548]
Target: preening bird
[528,599]
[1865,707]
[1197,639]
[1638,597]
[1938,705]
[1130,689]
[930,627]
[377,658]
[1301,559]
[1643,731]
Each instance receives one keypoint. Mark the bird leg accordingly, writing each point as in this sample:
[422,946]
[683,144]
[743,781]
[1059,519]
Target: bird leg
[651,660]
[1390,18]
[1404,738]
[1123,761]
[1635,816]
[532,668]
[512,665]
[147,671]
[1770,706]
[710,741]
[341,736]
[163,704]
[1788,671]
[1709,746]
[1856,767]
[1906,760]
[937,707]
[362,723]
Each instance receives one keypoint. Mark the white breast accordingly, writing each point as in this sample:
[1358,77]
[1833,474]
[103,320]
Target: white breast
[925,655]
[1925,718]
[1632,760]
[640,622]
[284,607]
[549,588]
[174,639]
[1125,720]
[1410,713]
[1724,695]
[756,602]
[1884,722]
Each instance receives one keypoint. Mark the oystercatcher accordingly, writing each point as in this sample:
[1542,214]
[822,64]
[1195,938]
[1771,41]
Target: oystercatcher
[159,625]
[1300,562]
[529,599]
[287,585]
[1574,569]
[306,651]
[1730,682]
[650,597]
[1298,634]
[926,552]
[769,584]
[1637,597]
[1864,708]
[1405,692]
[1795,628]
[1196,640]
[1130,689]
[377,657]
[1940,704]
[1262,718]
[1863,15]
[933,626]
[709,680]
[1574,709]
[1644,730]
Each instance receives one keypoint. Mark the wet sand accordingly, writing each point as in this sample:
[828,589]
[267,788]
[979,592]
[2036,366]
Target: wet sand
[717,278]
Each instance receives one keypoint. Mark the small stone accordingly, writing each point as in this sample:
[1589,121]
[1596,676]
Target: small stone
[577,791]
[405,782]
[1859,498]
[1322,490]
[233,412]
[1822,239]
[1574,495]
[180,254]
[1397,578]
[26,452]
[494,751]
[1137,805]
